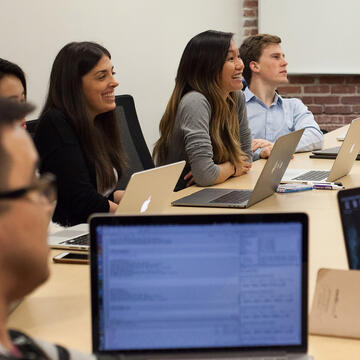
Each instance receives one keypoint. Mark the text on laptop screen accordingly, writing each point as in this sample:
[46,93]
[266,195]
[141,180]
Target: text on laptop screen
[199,286]
[350,213]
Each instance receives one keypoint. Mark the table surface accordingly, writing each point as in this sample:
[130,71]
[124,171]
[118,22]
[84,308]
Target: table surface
[59,311]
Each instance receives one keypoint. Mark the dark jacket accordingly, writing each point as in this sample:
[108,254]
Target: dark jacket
[61,154]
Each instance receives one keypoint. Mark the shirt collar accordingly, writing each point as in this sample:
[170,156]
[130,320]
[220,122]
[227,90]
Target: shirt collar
[277,99]
[249,95]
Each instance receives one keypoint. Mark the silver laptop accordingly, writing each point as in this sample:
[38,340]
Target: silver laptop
[71,238]
[148,191]
[329,153]
[341,166]
[231,286]
[266,184]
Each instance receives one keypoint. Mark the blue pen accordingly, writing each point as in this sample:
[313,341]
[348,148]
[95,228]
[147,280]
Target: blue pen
[286,188]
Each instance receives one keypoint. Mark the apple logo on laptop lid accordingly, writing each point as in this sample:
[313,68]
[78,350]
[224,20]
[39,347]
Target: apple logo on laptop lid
[278,165]
[145,204]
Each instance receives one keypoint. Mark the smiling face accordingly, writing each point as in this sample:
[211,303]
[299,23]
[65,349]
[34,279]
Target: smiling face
[231,73]
[98,86]
[271,66]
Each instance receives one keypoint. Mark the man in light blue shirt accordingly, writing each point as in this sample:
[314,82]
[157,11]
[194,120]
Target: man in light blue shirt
[269,114]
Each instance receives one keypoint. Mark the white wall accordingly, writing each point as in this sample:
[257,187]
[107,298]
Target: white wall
[145,37]
[319,37]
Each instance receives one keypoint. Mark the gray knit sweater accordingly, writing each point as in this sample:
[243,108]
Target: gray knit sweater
[191,139]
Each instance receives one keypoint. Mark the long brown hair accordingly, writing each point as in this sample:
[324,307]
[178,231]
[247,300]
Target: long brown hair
[99,138]
[199,69]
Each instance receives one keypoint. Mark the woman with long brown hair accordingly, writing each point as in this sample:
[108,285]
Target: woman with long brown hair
[78,137]
[205,121]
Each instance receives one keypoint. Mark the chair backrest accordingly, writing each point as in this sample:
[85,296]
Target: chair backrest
[133,142]
[31,126]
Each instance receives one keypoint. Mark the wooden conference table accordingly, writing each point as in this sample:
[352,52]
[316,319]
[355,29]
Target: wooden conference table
[59,311]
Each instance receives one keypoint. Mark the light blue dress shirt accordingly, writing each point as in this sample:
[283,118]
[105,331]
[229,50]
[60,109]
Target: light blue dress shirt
[280,118]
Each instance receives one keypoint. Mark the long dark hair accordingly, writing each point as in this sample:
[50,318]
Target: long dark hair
[100,138]
[199,69]
[9,68]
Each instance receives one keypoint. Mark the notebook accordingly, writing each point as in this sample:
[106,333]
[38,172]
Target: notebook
[341,166]
[349,206]
[266,184]
[336,304]
[148,191]
[71,238]
[341,137]
[200,286]
[330,153]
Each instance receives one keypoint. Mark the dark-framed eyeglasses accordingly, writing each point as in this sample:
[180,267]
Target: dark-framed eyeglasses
[43,187]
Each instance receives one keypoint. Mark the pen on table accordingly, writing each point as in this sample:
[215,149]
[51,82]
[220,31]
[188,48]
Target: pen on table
[323,182]
[327,187]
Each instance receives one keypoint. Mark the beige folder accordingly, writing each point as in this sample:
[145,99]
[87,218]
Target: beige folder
[336,305]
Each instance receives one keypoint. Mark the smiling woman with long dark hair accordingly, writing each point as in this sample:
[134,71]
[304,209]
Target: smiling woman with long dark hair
[78,136]
[205,121]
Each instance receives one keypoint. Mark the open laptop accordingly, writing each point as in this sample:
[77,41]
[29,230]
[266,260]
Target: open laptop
[71,238]
[148,191]
[349,206]
[266,184]
[200,286]
[341,166]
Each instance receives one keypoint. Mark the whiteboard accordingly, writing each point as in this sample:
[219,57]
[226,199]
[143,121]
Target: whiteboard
[318,36]
[145,38]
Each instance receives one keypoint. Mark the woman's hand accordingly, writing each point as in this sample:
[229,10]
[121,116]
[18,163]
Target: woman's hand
[227,169]
[118,194]
[243,166]
[189,177]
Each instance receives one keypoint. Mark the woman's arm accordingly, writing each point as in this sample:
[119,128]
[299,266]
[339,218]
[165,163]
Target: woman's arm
[194,114]
[227,169]
[193,118]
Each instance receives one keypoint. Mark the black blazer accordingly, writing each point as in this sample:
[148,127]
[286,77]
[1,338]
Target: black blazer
[61,154]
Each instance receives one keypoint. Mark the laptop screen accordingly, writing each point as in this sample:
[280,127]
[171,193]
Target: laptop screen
[199,283]
[349,203]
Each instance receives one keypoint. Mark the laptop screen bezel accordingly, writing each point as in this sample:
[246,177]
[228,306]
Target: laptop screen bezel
[100,220]
[343,194]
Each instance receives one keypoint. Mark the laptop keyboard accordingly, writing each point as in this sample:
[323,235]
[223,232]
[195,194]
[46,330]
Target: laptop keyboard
[80,240]
[314,175]
[236,197]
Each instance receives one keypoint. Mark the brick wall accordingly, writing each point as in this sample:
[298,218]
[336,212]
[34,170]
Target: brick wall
[250,13]
[333,99]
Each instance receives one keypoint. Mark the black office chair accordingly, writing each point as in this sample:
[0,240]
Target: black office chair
[132,139]
[31,126]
